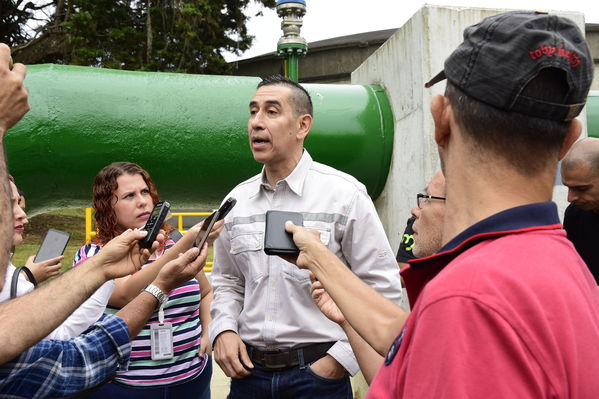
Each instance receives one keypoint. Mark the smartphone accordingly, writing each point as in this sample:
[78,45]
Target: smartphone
[277,241]
[205,230]
[154,223]
[175,235]
[226,207]
[208,224]
[53,245]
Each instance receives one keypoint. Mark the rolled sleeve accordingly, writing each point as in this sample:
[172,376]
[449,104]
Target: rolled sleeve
[343,353]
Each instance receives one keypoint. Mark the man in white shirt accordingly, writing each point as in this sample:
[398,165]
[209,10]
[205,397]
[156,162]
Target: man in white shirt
[267,333]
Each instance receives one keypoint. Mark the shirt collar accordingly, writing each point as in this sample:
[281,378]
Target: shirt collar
[538,216]
[296,178]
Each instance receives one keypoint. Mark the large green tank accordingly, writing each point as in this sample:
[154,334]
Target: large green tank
[188,131]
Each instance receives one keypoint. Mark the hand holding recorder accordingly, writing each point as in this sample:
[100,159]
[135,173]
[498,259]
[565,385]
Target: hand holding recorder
[123,256]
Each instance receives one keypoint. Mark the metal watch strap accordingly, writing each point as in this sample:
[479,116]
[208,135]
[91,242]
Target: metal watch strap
[158,294]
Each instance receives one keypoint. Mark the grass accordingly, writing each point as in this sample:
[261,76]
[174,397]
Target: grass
[70,220]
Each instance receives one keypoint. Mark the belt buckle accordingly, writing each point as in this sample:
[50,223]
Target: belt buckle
[275,360]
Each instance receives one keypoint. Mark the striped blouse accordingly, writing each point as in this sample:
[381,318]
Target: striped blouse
[182,310]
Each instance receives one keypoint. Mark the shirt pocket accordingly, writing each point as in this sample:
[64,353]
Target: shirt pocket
[302,275]
[246,247]
[245,241]
[323,228]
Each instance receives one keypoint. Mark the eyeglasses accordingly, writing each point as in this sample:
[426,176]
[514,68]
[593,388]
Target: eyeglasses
[422,198]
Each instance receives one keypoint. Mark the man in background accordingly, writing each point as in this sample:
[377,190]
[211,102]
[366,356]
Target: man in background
[580,173]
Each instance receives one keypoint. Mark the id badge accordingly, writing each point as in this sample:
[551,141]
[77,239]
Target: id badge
[161,340]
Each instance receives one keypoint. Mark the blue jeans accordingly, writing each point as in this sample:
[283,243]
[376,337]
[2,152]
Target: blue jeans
[198,388]
[297,382]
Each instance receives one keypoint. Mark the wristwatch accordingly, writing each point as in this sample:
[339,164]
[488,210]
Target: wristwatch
[158,294]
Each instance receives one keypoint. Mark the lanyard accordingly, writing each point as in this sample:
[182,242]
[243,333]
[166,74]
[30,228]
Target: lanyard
[161,314]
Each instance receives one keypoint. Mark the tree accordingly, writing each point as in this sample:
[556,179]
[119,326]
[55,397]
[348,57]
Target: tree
[151,35]
[14,19]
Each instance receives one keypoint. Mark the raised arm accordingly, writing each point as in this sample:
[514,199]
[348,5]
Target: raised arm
[60,297]
[368,359]
[177,271]
[374,317]
[13,105]
[54,368]
[128,287]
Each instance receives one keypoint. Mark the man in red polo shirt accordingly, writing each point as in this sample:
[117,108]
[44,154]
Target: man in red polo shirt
[506,308]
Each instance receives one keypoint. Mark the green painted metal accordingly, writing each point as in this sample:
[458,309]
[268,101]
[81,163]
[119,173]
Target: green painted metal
[188,131]
[291,53]
[292,67]
[593,113]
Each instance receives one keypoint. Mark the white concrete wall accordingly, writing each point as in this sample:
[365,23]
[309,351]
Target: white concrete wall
[411,57]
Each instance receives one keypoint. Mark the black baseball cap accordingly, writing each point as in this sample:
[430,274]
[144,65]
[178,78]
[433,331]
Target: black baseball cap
[502,54]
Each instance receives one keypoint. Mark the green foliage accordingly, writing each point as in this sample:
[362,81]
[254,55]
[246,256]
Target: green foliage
[151,35]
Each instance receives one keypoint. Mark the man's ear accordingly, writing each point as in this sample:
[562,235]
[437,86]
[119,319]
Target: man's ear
[442,113]
[305,124]
[572,135]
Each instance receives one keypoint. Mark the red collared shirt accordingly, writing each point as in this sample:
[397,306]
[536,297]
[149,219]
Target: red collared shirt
[506,310]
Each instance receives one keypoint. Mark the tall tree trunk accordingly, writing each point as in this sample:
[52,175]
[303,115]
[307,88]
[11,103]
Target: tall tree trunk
[149,33]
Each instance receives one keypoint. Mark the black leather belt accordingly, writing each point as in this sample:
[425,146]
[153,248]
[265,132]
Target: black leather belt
[286,358]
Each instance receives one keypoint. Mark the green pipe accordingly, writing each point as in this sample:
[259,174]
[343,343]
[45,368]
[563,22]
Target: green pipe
[593,113]
[291,53]
[188,131]
[292,67]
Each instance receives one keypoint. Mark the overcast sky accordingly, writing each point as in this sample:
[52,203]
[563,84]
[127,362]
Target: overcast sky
[325,19]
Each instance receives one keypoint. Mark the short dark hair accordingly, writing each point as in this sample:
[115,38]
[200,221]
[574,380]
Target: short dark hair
[578,158]
[300,99]
[527,143]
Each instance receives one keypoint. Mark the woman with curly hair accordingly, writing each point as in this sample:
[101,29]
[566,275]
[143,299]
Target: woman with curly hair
[123,198]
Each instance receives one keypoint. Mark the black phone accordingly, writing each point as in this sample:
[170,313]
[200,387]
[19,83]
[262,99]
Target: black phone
[208,224]
[205,230]
[276,240]
[226,207]
[175,235]
[154,223]
[53,245]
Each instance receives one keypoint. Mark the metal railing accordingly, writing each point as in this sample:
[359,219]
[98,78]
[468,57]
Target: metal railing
[90,233]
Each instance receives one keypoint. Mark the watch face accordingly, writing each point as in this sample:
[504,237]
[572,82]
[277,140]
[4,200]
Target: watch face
[157,292]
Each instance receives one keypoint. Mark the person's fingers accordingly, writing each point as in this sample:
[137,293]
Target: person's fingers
[317,284]
[317,294]
[53,261]
[55,267]
[226,366]
[245,358]
[20,70]
[191,255]
[200,256]
[4,51]
[290,227]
